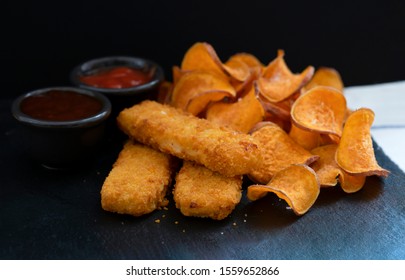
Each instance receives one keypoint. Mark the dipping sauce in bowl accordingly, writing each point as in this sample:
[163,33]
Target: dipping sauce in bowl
[125,80]
[60,105]
[116,77]
[61,127]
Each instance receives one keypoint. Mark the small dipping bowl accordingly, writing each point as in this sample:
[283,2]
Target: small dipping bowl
[108,75]
[61,127]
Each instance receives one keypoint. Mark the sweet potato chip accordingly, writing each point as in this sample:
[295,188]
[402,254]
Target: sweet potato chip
[278,112]
[329,172]
[202,56]
[250,67]
[355,153]
[241,115]
[326,167]
[195,89]
[350,183]
[280,109]
[198,104]
[250,60]
[242,87]
[277,82]
[325,76]
[297,185]
[307,139]
[237,69]
[327,139]
[321,109]
[279,151]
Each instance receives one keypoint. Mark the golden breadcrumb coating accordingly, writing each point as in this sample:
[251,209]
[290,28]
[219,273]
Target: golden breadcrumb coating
[200,192]
[138,181]
[178,133]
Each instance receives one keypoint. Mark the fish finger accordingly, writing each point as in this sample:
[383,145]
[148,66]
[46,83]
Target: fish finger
[183,135]
[138,182]
[200,192]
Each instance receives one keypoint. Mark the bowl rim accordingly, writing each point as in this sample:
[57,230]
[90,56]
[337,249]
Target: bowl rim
[85,122]
[157,79]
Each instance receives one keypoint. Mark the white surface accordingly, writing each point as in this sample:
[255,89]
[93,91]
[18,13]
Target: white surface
[388,103]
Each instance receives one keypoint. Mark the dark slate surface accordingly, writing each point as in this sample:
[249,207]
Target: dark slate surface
[47,214]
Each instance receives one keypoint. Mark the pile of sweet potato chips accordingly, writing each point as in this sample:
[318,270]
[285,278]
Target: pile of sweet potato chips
[309,138]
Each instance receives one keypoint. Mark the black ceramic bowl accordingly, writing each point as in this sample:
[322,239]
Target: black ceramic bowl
[121,97]
[63,142]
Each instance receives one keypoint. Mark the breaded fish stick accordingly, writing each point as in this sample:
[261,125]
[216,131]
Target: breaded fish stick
[138,182]
[200,192]
[173,131]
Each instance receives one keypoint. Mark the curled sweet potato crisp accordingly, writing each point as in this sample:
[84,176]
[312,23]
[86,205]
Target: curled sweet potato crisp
[326,76]
[321,109]
[329,173]
[355,152]
[196,89]
[241,115]
[278,83]
[297,185]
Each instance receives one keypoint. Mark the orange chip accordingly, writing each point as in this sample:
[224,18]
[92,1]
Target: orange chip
[250,60]
[241,115]
[327,139]
[195,89]
[321,109]
[200,103]
[278,112]
[307,139]
[242,87]
[237,69]
[355,153]
[325,76]
[280,109]
[248,65]
[350,183]
[329,172]
[202,56]
[325,167]
[297,185]
[278,83]
[279,151]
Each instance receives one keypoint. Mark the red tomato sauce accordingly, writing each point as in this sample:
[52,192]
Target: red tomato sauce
[118,77]
[58,105]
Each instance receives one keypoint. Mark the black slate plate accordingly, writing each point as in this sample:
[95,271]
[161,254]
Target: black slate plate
[47,214]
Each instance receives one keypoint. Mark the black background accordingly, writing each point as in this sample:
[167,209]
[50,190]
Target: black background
[43,40]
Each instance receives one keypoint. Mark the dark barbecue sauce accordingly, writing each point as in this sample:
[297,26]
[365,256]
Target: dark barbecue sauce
[59,105]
